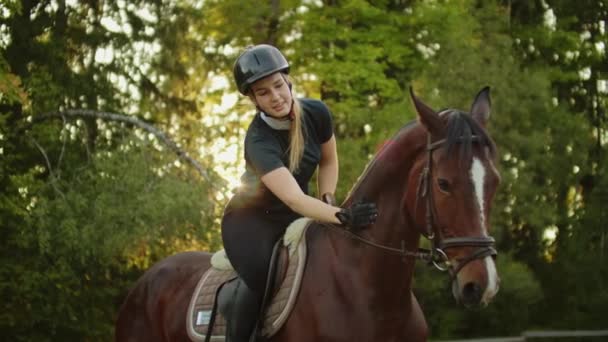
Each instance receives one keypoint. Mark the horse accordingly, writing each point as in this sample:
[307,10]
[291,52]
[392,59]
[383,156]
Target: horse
[435,179]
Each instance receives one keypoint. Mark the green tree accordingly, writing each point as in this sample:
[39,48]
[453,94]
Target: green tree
[87,204]
[568,40]
[468,45]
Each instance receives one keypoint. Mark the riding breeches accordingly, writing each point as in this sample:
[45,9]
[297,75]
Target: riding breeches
[249,235]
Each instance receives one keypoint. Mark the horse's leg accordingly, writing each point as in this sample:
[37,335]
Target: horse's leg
[416,328]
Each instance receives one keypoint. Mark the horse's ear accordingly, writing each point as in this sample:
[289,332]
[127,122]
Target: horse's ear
[480,110]
[428,117]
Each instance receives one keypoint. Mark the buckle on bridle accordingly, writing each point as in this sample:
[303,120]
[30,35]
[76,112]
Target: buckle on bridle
[440,260]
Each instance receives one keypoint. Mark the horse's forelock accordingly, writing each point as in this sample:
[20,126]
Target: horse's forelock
[461,128]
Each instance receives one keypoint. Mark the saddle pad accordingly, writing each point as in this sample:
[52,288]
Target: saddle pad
[201,304]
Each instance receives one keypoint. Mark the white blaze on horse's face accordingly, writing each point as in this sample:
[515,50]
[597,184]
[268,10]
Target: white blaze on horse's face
[478,175]
[492,287]
[478,178]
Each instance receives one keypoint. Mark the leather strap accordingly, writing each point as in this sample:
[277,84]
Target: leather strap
[214,312]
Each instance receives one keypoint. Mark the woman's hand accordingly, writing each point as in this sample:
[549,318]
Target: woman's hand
[358,215]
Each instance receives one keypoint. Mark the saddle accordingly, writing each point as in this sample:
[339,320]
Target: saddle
[217,286]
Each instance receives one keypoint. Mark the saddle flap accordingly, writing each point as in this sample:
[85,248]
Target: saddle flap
[277,312]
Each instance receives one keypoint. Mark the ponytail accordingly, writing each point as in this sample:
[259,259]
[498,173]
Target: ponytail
[296,137]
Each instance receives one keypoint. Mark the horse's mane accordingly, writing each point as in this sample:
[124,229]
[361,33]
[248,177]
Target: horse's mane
[460,128]
[374,161]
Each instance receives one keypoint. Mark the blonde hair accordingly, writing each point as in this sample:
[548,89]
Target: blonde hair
[296,137]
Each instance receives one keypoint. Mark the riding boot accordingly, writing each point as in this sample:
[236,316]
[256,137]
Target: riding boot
[244,314]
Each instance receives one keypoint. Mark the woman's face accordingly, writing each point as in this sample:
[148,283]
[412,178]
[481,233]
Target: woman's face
[272,95]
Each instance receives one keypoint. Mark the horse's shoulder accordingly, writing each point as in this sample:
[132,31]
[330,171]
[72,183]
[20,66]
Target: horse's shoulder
[315,232]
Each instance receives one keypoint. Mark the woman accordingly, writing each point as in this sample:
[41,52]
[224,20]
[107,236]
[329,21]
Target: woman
[285,143]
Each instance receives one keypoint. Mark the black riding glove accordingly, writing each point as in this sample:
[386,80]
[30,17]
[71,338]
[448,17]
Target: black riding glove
[358,215]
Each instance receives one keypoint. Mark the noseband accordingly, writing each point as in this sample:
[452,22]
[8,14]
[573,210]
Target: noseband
[484,244]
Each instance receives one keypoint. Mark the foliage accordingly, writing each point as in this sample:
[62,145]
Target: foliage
[84,235]
[11,90]
[571,52]
[86,206]
[447,318]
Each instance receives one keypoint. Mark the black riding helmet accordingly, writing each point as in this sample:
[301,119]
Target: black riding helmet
[256,63]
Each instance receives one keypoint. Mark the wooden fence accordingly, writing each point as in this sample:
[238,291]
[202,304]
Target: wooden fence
[539,336]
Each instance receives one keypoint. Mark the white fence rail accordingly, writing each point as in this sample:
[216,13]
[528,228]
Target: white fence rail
[533,335]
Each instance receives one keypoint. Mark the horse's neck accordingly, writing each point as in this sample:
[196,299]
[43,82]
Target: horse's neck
[386,185]
[395,229]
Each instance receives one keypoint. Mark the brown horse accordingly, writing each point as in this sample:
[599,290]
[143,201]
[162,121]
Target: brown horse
[436,178]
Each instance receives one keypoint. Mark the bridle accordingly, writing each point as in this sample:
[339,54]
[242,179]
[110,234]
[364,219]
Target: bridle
[484,244]
[435,255]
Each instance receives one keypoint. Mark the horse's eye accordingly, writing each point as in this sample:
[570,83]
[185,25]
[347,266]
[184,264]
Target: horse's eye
[443,184]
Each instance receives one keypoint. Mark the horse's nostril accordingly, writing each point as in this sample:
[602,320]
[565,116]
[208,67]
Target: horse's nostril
[471,294]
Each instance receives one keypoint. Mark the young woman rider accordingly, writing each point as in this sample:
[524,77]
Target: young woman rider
[285,143]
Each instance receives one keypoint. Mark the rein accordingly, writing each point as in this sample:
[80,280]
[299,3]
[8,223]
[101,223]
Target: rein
[421,254]
[436,255]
